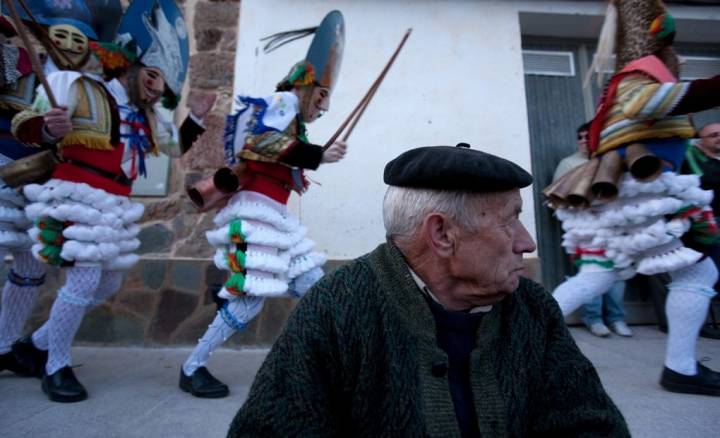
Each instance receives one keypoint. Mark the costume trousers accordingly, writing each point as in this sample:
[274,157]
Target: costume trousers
[84,288]
[235,315]
[687,304]
[18,296]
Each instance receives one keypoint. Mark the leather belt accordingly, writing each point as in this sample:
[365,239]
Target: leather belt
[118,178]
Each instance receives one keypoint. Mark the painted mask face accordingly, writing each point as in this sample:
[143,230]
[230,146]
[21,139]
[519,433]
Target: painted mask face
[151,85]
[72,43]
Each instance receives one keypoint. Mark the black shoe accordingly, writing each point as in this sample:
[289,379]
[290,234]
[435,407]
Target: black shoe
[62,386]
[706,381]
[9,362]
[203,384]
[31,358]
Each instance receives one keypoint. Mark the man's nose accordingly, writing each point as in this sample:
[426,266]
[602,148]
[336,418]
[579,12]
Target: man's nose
[524,242]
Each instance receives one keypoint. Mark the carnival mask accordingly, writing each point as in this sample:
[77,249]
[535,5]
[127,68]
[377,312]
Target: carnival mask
[314,101]
[146,86]
[72,43]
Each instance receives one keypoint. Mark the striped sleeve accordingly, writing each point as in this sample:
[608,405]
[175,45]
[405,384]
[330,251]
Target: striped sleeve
[644,98]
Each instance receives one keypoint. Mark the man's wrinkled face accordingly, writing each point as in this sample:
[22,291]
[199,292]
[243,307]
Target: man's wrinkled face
[710,139]
[489,260]
[72,43]
[314,101]
[151,85]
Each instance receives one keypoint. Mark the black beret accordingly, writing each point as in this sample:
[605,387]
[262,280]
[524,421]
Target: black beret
[454,168]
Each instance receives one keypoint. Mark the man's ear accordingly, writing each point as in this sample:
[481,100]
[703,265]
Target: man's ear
[439,233]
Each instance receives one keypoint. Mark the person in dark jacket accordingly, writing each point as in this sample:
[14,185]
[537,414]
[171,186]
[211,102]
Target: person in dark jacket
[436,332]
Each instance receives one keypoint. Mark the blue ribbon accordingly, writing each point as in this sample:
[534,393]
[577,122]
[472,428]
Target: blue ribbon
[137,140]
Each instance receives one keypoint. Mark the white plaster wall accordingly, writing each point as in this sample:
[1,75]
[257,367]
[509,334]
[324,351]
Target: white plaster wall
[458,79]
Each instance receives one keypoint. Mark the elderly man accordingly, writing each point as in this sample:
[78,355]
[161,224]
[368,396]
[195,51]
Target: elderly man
[434,333]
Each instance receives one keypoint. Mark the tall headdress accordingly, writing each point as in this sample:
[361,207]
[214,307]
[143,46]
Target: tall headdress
[154,32]
[632,29]
[321,65]
[97,19]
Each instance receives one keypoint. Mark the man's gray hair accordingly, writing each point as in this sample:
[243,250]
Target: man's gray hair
[405,208]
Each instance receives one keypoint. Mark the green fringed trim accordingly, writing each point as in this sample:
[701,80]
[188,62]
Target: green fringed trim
[236,284]
[236,261]
[51,237]
[235,232]
[705,233]
[302,134]
[604,263]
[48,223]
[51,255]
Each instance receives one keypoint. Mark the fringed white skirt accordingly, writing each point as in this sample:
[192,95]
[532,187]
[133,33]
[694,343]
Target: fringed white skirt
[83,225]
[13,223]
[263,245]
[639,232]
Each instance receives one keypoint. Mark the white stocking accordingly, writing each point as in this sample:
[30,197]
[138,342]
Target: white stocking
[686,309]
[110,283]
[67,313]
[236,314]
[18,296]
[583,287]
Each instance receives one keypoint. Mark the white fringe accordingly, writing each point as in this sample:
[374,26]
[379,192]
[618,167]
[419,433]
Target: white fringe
[103,231]
[258,233]
[254,206]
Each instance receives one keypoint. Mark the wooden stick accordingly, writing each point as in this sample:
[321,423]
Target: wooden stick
[355,115]
[34,60]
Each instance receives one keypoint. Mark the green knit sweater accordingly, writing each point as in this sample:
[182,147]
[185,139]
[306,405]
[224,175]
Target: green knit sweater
[356,359]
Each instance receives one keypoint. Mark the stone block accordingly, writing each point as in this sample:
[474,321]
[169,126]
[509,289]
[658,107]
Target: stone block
[228,41]
[163,209]
[187,276]
[272,319]
[197,245]
[140,302]
[213,15]
[105,324]
[212,70]
[208,152]
[208,39]
[213,275]
[194,326]
[174,307]
[152,273]
[155,238]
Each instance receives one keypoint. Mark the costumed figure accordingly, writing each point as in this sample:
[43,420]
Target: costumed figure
[257,239]
[65,32]
[82,217]
[625,211]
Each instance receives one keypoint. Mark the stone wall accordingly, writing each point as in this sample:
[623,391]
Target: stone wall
[171,227]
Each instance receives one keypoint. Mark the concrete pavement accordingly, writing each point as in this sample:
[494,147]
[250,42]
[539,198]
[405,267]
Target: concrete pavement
[134,393]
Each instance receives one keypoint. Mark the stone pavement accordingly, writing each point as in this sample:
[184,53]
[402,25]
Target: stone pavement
[133,392]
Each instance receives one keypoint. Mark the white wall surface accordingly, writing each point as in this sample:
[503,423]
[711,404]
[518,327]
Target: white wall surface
[458,79]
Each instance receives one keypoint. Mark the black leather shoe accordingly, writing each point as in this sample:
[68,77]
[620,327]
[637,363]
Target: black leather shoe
[203,384]
[706,381]
[9,362]
[62,386]
[31,358]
